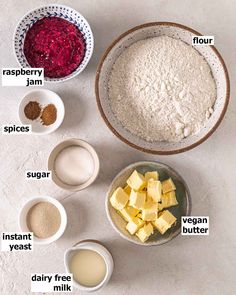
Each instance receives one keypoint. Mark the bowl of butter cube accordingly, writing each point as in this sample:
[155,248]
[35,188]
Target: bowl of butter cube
[145,203]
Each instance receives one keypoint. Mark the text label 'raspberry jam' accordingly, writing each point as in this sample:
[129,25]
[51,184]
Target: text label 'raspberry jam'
[56,45]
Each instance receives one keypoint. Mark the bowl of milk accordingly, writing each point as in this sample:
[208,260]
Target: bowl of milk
[91,265]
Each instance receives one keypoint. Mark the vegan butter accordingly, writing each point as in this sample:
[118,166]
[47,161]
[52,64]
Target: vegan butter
[137,199]
[136,181]
[145,232]
[169,200]
[154,190]
[149,211]
[119,198]
[141,202]
[127,189]
[134,224]
[128,213]
[164,222]
[168,186]
[151,175]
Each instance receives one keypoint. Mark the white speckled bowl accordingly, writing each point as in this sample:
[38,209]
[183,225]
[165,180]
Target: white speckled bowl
[185,34]
[182,195]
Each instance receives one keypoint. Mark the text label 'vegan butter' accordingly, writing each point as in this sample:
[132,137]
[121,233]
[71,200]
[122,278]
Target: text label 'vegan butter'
[195,225]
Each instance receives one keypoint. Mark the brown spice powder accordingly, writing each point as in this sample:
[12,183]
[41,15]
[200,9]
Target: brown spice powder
[32,110]
[49,115]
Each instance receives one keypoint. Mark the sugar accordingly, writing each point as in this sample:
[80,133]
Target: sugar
[74,165]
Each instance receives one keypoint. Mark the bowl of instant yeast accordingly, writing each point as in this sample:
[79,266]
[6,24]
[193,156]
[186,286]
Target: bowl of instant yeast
[74,164]
[45,217]
[91,265]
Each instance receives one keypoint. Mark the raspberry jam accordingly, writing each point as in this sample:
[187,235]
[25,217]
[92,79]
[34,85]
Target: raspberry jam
[56,45]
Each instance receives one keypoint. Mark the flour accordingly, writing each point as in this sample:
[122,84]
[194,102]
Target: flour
[162,89]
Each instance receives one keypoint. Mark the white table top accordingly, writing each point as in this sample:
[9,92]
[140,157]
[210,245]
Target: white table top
[186,265]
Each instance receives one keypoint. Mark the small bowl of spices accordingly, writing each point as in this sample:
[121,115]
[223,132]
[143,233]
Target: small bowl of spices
[45,217]
[43,109]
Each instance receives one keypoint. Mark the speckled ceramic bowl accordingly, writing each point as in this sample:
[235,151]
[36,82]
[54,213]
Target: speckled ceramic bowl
[182,195]
[185,34]
[53,10]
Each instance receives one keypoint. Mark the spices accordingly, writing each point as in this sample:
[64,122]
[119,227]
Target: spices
[49,115]
[74,165]
[44,220]
[32,110]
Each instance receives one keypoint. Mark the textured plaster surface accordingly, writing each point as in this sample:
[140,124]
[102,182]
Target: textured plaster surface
[186,265]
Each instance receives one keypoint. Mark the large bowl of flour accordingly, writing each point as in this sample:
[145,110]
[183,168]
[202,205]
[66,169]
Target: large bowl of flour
[157,92]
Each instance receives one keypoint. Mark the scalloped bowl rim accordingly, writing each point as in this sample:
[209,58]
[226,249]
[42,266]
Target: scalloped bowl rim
[75,72]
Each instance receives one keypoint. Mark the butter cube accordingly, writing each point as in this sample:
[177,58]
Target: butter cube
[169,199]
[168,186]
[137,199]
[127,189]
[154,190]
[139,215]
[164,222]
[136,181]
[119,198]
[128,213]
[151,175]
[144,232]
[149,211]
[160,207]
[134,224]
[149,199]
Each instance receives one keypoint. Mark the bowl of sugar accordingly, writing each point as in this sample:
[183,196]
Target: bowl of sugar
[74,164]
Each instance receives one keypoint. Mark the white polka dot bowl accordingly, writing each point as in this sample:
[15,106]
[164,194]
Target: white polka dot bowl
[177,31]
[53,10]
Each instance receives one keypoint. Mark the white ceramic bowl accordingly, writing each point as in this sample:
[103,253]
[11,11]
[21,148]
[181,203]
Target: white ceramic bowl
[43,97]
[185,34]
[53,10]
[29,204]
[100,249]
[61,146]
[182,195]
